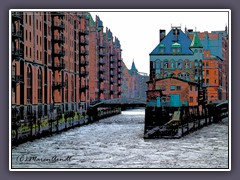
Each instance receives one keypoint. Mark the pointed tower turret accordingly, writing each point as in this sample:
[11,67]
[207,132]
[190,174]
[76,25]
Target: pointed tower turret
[197,49]
[133,69]
[196,43]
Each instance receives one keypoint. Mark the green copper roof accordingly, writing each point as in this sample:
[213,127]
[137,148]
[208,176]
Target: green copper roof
[87,17]
[91,21]
[161,45]
[176,45]
[196,42]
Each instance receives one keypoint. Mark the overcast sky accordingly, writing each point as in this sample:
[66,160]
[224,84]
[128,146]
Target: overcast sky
[138,32]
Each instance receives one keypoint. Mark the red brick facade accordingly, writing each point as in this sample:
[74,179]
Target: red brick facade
[188,91]
[212,76]
[56,62]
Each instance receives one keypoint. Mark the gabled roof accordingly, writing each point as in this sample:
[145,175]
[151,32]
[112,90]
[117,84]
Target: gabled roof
[183,40]
[196,43]
[91,21]
[100,24]
[109,34]
[117,42]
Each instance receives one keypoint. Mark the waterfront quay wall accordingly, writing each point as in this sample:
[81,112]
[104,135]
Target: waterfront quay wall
[161,123]
[32,128]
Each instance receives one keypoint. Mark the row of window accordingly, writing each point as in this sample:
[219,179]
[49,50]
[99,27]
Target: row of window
[173,88]
[160,64]
[191,99]
[38,39]
[40,84]
[182,75]
[173,50]
[38,53]
[191,88]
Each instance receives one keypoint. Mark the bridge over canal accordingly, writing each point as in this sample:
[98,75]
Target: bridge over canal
[120,102]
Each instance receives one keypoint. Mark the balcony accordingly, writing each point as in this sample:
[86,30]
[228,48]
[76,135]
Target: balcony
[84,63]
[101,62]
[119,65]
[112,81]
[111,74]
[17,52]
[84,87]
[112,91]
[112,67]
[58,66]
[16,34]
[102,90]
[59,39]
[112,54]
[119,60]
[119,71]
[112,60]
[59,14]
[17,16]
[84,74]
[84,32]
[101,79]
[101,54]
[101,46]
[119,83]
[101,70]
[17,78]
[59,26]
[84,42]
[84,52]
[59,53]
[58,85]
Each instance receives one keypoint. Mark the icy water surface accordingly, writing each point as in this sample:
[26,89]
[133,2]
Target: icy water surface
[117,142]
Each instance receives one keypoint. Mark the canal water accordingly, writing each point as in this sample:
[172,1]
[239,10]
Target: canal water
[117,142]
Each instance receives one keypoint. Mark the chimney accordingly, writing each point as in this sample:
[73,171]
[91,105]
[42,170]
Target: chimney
[162,34]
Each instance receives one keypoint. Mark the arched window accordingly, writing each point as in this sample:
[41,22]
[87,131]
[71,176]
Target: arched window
[165,64]
[66,88]
[158,64]
[172,64]
[72,90]
[29,85]
[180,75]
[187,77]
[196,63]
[187,64]
[39,85]
[200,63]
[179,66]
[161,64]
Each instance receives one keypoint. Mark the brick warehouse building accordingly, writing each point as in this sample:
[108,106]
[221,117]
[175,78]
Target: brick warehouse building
[134,83]
[192,56]
[212,76]
[217,43]
[177,61]
[55,56]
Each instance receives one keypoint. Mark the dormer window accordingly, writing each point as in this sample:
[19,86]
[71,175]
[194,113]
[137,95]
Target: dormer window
[176,48]
[162,48]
